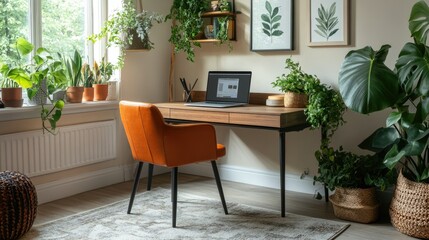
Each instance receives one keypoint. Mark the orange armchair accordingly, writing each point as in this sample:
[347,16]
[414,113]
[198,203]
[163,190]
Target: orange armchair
[157,143]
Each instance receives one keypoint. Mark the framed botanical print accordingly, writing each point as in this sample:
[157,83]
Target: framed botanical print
[329,20]
[271,25]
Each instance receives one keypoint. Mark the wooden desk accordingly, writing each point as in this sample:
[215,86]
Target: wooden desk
[256,116]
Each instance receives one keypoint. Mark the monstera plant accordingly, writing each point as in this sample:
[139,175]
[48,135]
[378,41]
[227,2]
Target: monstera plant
[367,85]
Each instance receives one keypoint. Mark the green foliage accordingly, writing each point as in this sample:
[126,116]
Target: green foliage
[338,168]
[222,33]
[224,5]
[120,28]
[327,21]
[296,80]
[106,70]
[13,24]
[73,67]
[16,73]
[187,25]
[63,27]
[368,85]
[87,75]
[271,21]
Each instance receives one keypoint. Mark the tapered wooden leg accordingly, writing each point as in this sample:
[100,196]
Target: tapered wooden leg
[174,193]
[219,186]
[136,184]
[149,177]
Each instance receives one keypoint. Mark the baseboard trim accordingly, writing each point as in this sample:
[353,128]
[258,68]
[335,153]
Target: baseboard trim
[89,181]
[255,177]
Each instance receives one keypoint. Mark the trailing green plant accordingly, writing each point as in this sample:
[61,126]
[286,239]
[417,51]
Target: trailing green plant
[224,5]
[222,32]
[367,85]
[126,24]
[339,168]
[187,24]
[271,21]
[44,66]
[327,21]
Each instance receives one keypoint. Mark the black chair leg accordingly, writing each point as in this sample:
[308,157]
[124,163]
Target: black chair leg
[174,193]
[219,186]
[326,193]
[149,177]
[136,184]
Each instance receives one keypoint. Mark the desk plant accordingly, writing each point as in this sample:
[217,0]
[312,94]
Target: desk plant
[124,26]
[367,85]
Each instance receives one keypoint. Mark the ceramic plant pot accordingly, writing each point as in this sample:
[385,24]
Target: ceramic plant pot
[74,94]
[100,92]
[88,94]
[12,97]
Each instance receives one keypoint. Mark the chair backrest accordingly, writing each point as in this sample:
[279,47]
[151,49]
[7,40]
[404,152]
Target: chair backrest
[144,127]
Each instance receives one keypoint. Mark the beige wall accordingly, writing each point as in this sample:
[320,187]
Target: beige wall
[372,23]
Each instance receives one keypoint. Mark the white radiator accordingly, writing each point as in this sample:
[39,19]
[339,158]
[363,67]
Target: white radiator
[34,153]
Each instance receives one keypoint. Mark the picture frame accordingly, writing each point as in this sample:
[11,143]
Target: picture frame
[328,22]
[271,25]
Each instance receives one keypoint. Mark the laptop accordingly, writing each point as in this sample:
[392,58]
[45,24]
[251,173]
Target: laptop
[226,89]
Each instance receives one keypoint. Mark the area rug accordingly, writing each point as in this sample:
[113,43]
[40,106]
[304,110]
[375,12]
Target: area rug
[197,218]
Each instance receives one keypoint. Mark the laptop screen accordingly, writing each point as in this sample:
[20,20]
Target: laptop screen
[228,86]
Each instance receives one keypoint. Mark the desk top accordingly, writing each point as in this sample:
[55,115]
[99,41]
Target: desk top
[249,115]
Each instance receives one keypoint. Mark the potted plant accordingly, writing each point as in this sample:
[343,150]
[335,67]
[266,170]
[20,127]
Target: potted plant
[73,66]
[127,26]
[102,75]
[15,76]
[367,85]
[294,85]
[88,80]
[187,25]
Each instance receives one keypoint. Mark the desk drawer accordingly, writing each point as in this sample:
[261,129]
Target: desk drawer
[255,119]
[165,112]
[204,116]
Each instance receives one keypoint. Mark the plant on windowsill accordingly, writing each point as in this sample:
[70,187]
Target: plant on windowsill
[102,75]
[367,85]
[128,27]
[73,67]
[88,80]
[44,66]
[14,75]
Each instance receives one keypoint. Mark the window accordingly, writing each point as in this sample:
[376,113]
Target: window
[63,26]
[58,25]
[14,23]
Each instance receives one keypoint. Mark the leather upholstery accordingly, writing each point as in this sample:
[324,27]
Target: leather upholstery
[156,142]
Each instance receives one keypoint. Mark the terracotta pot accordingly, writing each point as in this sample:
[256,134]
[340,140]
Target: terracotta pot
[355,204]
[100,92]
[74,94]
[12,97]
[88,94]
[409,209]
[295,100]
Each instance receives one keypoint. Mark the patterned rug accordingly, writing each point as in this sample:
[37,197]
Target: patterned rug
[197,218]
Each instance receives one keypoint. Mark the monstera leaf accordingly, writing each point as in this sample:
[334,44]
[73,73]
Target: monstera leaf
[419,21]
[366,83]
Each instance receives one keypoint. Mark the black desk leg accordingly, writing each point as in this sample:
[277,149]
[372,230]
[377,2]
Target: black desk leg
[282,156]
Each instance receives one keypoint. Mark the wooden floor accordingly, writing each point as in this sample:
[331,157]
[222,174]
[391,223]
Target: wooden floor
[298,203]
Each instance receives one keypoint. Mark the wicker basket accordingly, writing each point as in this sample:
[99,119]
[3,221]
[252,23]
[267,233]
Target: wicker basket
[357,204]
[409,210]
[18,204]
[295,100]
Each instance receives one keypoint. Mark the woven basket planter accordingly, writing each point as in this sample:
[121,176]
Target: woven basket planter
[18,205]
[295,100]
[409,209]
[355,204]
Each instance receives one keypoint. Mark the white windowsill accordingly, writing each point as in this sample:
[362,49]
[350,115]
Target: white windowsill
[26,112]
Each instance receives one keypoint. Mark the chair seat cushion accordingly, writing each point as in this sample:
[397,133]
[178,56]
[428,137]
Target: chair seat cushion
[220,151]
